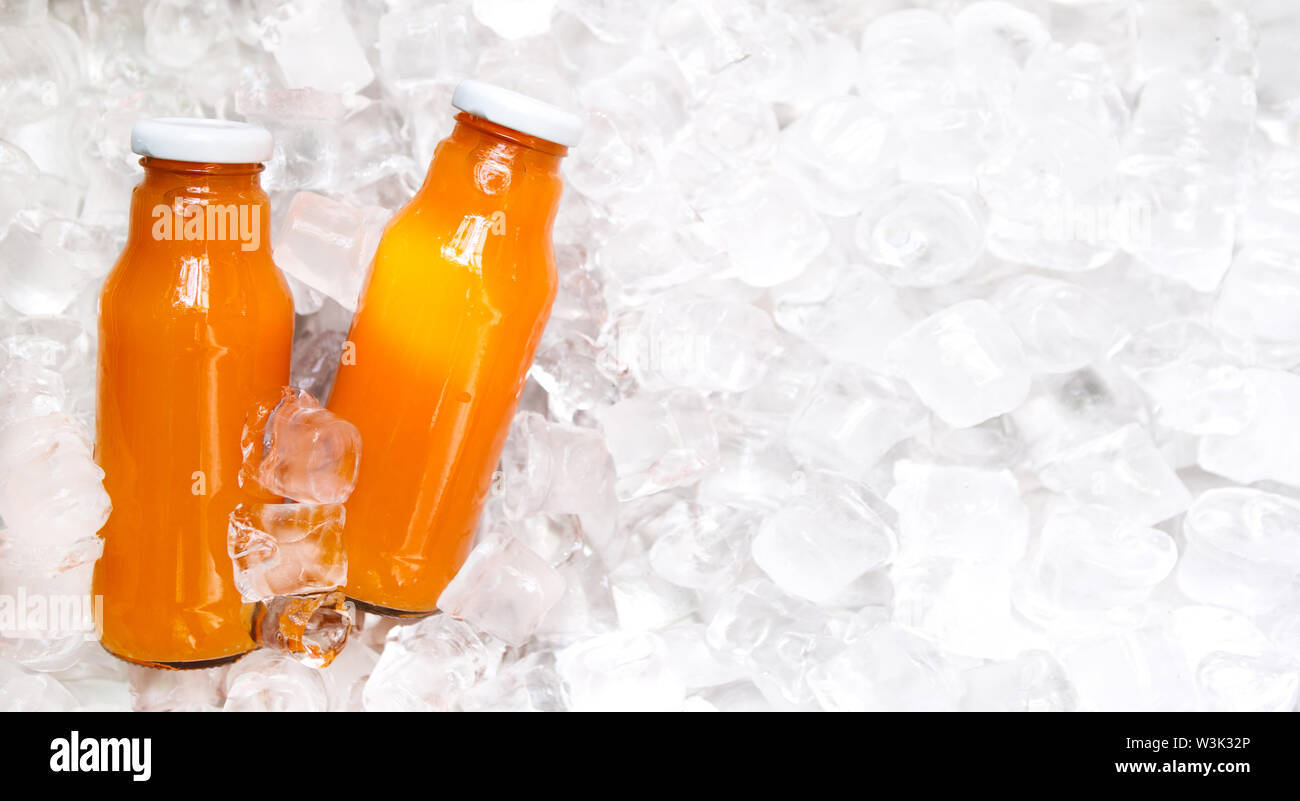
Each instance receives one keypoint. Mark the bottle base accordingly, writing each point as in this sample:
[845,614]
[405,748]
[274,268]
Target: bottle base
[197,664]
[385,611]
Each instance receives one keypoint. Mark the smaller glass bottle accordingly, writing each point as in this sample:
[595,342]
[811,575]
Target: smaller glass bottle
[195,325]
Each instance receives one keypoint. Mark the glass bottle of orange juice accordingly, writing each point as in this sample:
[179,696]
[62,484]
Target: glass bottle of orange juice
[195,324]
[455,302]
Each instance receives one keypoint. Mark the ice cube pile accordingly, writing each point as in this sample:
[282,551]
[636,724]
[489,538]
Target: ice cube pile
[289,558]
[909,354]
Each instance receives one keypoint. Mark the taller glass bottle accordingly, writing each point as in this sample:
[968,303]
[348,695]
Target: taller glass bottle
[459,291]
[195,324]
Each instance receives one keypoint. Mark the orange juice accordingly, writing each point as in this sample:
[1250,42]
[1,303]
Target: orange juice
[457,296]
[196,323]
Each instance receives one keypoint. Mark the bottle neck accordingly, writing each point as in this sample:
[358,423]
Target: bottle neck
[491,167]
[208,205]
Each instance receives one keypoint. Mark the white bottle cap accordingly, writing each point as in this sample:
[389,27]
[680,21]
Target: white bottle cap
[201,140]
[519,112]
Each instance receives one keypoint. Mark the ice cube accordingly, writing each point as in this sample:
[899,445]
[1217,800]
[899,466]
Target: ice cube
[734,129]
[29,390]
[56,343]
[25,12]
[705,39]
[1069,409]
[887,669]
[39,277]
[1270,197]
[426,666]
[1241,549]
[566,367]
[1123,471]
[1256,305]
[178,34]
[645,257]
[770,232]
[20,173]
[749,615]
[921,235]
[943,146]
[1089,559]
[1074,85]
[346,676]
[1142,670]
[779,639]
[1193,385]
[1182,222]
[93,669]
[1265,450]
[1054,199]
[850,312]
[1235,665]
[1200,631]
[783,667]
[907,61]
[1274,26]
[328,244]
[823,539]
[659,442]
[419,44]
[709,344]
[620,671]
[699,546]
[766,409]
[852,417]
[554,538]
[294,447]
[1188,118]
[316,47]
[838,153]
[504,588]
[52,492]
[964,362]
[609,20]
[993,42]
[306,301]
[311,629]
[154,690]
[1180,36]
[26,691]
[287,549]
[308,128]
[587,605]
[1239,683]
[527,685]
[995,443]
[692,659]
[47,643]
[962,606]
[515,19]
[642,599]
[958,512]
[1062,326]
[1032,682]
[611,162]
[558,469]
[266,681]
[753,473]
[39,71]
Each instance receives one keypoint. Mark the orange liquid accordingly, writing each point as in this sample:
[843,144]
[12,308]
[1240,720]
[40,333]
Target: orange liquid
[460,289]
[191,333]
